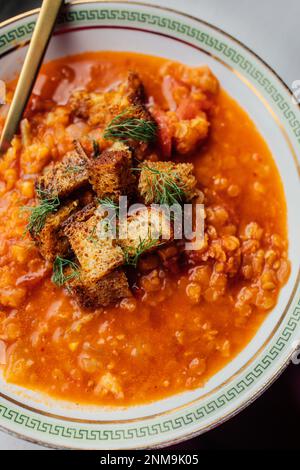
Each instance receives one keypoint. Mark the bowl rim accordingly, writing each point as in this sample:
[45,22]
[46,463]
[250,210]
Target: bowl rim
[34,11]
[281,367]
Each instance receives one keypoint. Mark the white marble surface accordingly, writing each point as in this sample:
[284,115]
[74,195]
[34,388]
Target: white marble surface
[269,27]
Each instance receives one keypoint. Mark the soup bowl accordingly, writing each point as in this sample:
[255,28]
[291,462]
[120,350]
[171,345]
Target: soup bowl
[135,27]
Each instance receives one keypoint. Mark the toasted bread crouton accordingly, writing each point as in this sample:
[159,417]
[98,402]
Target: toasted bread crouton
[137,98]
[81,216]
[51,240]
[110,174]
[144,231]
[97,255]
[64,177]
[157,178]
[107,290]
[99,109]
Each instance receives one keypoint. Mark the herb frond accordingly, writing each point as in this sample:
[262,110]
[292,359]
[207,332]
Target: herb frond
[43,193]
[132,254]
[59,277]
[109,204]
[164,186]
[38,214]
[126,126]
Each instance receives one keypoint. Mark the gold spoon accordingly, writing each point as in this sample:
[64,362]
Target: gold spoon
[37,48]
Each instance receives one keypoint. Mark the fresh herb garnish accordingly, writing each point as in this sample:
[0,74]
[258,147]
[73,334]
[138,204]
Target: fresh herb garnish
[59,277]
[163,186]
[38,214]
[96,149]
[127,127]
[132,254]
[109,204]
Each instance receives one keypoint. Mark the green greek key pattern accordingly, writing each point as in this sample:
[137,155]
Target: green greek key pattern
[229,54]
[165,23]
[12,37]
[214,44]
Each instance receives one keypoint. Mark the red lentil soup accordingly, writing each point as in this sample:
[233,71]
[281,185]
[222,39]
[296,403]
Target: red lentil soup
[187,319]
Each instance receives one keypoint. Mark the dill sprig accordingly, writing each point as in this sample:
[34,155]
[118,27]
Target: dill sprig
[164,186]
[125,126]
[39,213]
[109,204]
[59,277]
[132,254]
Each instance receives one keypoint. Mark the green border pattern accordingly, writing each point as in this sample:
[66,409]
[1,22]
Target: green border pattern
[81,14]
[12,37]
[165,23]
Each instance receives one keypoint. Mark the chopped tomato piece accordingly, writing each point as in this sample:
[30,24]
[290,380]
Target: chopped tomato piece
[188,109]
[164,131]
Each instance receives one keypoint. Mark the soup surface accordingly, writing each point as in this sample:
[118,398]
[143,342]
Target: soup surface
[189,315]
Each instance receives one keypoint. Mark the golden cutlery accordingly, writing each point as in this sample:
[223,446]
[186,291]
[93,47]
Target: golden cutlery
[37,48]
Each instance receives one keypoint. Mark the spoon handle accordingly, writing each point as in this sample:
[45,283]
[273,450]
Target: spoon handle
[37,48]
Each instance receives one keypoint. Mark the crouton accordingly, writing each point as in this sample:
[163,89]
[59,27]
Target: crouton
[99,109]
[81,216]
[160,180]
[97,255]
[64,177]
[144,231]
[51,240]
[101,293]
[110,175]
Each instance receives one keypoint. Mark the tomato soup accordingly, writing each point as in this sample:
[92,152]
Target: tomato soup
[188,316]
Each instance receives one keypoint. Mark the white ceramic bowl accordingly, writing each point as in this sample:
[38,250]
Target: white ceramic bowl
[88,26]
